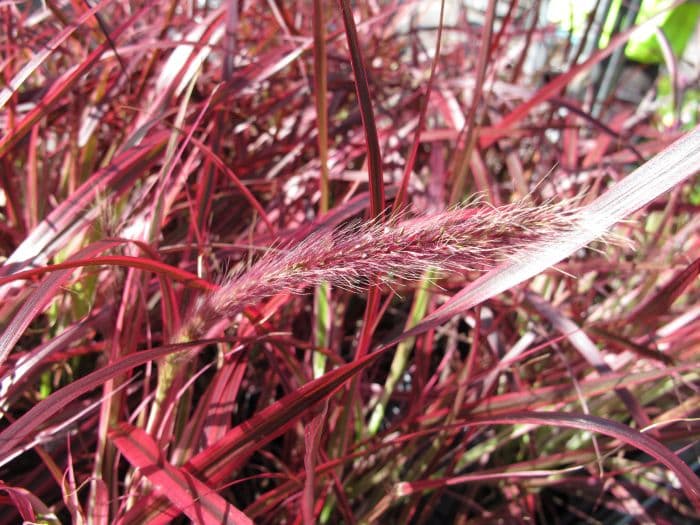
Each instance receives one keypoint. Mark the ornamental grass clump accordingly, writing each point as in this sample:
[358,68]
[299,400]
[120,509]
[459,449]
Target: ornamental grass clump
[146,147]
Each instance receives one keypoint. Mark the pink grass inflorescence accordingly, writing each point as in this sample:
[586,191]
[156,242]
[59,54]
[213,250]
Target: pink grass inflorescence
[467,238]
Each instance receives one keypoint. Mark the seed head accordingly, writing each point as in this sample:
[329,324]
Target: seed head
[475,237]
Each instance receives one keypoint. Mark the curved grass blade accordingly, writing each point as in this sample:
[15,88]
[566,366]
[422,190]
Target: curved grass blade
[199,502]
[374,156]
[142,263]
[221,165]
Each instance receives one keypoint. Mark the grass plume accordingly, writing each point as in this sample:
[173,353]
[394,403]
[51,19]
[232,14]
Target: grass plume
[472,237]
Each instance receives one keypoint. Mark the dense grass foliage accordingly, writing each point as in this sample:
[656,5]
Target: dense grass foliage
[301,261]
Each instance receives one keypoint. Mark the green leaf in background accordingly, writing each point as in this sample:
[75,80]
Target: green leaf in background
[677,24]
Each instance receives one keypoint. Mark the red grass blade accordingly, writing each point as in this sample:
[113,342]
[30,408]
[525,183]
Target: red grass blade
[220,164]
[374,156]
[226,454]
[21,500]
[126,261]
[401,196]
[463,158]
[200,503]
[312,441]
[590,352]
[545,396]
[217,461]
